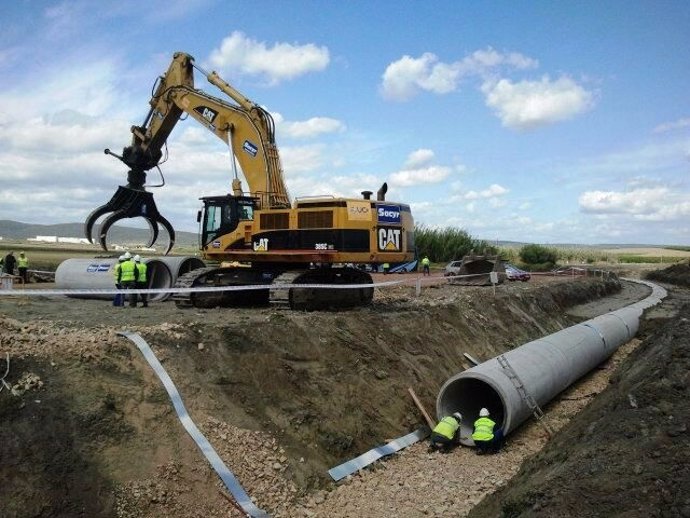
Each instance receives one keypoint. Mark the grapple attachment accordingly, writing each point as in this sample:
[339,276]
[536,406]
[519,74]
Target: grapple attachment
[129,203]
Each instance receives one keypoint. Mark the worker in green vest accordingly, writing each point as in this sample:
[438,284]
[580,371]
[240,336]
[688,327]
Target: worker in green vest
[128,278]
[425,265]
[386,268]
[446,433]
[486,438]
[142,281]
[118,300]
[23,267]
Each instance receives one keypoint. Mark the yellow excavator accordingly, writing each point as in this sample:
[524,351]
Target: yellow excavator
[313,240]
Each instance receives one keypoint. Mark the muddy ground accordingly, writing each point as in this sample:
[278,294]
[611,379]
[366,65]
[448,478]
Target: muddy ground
[283,396]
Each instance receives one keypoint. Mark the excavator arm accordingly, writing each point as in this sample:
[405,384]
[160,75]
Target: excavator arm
[244,126]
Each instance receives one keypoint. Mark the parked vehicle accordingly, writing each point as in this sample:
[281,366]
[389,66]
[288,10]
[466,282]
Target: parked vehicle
[452,268]
[513,273]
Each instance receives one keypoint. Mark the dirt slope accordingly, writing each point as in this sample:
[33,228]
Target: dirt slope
[283,396]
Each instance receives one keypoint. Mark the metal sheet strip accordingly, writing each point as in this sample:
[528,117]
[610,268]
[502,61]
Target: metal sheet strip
[354,465]
[233,485]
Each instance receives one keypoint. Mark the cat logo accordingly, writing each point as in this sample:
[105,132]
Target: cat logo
[261,245]
[207,113]
[389,239]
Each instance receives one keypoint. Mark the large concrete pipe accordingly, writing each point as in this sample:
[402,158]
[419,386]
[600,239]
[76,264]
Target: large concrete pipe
[98,274]
[545,367]
[180,265]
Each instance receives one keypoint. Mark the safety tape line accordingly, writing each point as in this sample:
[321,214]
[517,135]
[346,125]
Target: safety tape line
[354,465]
[114,291]
[233,485]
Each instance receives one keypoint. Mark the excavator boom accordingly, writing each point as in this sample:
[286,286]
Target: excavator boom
[245,127]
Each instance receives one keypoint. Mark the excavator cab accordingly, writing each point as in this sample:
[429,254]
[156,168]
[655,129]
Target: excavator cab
[222,214]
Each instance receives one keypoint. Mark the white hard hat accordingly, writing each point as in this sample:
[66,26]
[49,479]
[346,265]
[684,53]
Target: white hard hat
[128,255]
[137,258]
[457,416]
[483,413]
[121,258]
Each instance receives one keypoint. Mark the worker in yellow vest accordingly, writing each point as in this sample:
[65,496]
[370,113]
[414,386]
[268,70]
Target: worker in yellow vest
[486,438]
[446,433]
[118,300]
[425,266]
[23,267]
[128,278]
[142,280]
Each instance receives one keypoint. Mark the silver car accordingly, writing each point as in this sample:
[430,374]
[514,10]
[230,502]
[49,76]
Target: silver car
[452,268]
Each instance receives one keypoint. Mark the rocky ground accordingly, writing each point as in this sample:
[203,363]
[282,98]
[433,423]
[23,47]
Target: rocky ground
[282,396]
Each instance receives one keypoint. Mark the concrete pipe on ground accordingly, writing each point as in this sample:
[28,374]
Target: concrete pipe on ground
[98,273]
[545,367]
[180,265]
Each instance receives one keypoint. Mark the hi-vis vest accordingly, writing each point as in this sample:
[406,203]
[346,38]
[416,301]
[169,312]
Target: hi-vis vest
[116,271]
[141,268]
[447,427]
[128,271]
[23,262]
[425,261]
[483,429]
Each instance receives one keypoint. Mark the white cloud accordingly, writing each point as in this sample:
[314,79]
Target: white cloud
[309,128]
[530,104]
[419,158]
[643,204]
[671,126]
[301,159]
[492,191]
[239,54]
[420,176]
[406,77]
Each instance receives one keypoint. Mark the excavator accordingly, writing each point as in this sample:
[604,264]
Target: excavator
[265,236]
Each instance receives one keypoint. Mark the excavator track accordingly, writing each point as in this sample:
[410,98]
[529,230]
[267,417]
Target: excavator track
[304,299]
[311,299]
[217,277]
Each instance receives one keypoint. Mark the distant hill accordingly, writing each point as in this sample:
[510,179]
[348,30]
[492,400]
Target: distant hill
[15,230]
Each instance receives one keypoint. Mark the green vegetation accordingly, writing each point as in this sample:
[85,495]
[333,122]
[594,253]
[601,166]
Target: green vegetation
[538,257]
[637,259]
[448,244]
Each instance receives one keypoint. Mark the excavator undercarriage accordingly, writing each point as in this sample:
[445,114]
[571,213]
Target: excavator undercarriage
[329,291]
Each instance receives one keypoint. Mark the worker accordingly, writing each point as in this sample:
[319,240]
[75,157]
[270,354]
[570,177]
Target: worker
[485,437]
[425,265]
[142,283]
[386,268]
[10,261]
[23,267]
[118,300]
[446,433]
[128,277]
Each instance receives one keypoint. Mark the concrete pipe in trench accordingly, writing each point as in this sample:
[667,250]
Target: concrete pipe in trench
[545,366]
[97,273]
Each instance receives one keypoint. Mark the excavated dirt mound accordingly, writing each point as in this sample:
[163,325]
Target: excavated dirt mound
[678,274]
[282,396]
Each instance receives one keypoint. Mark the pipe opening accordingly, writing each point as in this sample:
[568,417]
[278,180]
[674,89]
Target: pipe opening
[158,276]
[467,396]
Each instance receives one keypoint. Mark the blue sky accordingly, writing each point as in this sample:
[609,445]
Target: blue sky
[542,122]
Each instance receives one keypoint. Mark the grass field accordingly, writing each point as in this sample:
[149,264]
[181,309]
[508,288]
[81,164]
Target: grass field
[48,257]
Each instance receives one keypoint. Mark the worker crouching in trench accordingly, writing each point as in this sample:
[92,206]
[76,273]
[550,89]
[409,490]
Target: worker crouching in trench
[487,438]
[446,434]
